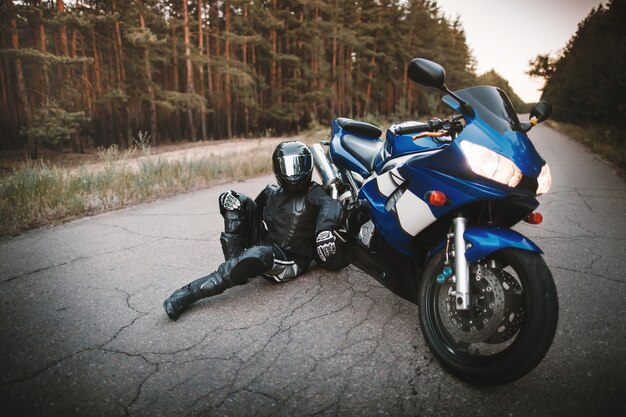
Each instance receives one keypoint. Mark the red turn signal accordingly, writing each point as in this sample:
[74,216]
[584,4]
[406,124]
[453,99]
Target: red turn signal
[437,198]
[534,218]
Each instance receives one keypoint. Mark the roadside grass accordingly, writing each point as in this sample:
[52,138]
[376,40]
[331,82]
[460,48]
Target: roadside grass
[35,195]
[605,141]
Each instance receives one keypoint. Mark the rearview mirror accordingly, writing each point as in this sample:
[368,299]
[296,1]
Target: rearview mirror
[427,73]
[432,75]
[541,112]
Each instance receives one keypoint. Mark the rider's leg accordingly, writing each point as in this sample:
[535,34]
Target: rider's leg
[240,228]
[236,271]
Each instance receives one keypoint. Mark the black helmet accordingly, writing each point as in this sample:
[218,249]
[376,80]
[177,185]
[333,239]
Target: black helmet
[293,166]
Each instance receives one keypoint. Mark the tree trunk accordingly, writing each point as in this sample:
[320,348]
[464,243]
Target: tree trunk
[148,75]
[121,78]
[209,82]
[5,139]
[62,71]
[31,145]
[229,121]
[209,74]
[190,88]
[175,82]
[62,30]
[201,73]
[333,72]
[217,114]
[75,139]
[370,73]
[41,37]
[244,54]
[96,65]
[274,53]
[87,89]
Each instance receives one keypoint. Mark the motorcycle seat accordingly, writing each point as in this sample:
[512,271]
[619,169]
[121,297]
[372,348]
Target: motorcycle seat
[359,128]
[365,150]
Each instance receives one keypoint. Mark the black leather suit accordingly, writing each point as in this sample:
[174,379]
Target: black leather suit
[273,235]
[282,223]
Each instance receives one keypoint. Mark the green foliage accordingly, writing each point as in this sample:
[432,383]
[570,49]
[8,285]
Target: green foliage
[36,56]
[542,66]
[143,38]
[586,82]
[276,67]
[173,100]
[52,124]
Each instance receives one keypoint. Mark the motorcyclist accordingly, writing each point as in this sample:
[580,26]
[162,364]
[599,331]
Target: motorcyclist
[277,235]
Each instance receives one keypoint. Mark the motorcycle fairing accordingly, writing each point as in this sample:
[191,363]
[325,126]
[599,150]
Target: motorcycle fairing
[397,190]
[485,240]
[398,196]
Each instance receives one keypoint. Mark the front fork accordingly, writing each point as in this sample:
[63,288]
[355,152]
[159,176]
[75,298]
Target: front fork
[461,267]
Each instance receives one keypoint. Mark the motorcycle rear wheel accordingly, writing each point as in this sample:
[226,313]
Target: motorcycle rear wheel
[509,327]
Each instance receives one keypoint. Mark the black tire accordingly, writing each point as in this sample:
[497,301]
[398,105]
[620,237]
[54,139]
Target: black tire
[535,325]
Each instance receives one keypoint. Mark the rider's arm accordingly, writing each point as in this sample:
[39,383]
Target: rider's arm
[329,209]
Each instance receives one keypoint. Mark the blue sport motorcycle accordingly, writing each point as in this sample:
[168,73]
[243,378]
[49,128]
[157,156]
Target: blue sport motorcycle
[429,215]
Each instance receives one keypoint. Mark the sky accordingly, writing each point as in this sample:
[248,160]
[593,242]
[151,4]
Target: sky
[506,34]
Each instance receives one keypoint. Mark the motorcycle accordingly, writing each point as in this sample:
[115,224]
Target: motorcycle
[428,213]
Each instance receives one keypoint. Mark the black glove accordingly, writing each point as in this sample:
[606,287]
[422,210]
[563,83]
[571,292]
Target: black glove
[325,245]
[229,201]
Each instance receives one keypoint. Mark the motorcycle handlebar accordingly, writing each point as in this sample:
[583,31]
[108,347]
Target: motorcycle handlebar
[452,125]
[416,127]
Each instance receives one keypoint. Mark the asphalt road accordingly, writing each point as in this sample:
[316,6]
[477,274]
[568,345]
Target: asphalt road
[83,331]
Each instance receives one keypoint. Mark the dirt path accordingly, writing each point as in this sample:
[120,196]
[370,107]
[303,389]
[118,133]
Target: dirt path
[92,160]
[205,151]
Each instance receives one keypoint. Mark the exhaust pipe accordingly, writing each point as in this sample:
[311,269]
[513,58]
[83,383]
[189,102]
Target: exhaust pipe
[328,173]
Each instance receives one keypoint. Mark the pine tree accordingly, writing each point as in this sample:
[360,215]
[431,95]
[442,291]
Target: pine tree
[231,67]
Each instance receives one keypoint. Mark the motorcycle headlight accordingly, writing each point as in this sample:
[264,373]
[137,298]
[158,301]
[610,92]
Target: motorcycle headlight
[544,180]
[489,164]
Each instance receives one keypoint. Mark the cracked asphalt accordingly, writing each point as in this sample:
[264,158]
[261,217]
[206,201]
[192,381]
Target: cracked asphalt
[83,331]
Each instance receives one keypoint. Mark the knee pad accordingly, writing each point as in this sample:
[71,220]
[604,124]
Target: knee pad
[252,262]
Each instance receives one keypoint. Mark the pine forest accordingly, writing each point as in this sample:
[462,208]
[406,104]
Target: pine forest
[96,72]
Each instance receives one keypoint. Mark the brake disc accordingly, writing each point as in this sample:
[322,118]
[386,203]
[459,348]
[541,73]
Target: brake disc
[496,312]
[514,312]
[481,321]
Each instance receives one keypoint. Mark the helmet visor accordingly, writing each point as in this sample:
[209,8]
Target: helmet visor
[294,165]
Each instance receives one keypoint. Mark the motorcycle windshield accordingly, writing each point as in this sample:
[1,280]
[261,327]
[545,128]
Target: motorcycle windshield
[495,125]
[491,105]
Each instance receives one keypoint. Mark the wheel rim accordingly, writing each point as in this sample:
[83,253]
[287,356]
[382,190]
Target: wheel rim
[491,326]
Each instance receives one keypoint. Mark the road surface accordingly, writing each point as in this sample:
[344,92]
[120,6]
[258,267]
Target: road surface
[83,331]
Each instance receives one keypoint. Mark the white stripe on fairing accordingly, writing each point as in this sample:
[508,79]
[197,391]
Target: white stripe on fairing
[401,160]
[413,213]
[398,162]
[389,182]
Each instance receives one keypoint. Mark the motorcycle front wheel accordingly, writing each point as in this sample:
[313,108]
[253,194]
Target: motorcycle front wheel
[511,322]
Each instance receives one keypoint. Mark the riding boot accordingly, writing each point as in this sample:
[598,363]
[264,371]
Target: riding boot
[236,271]
[180,299]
